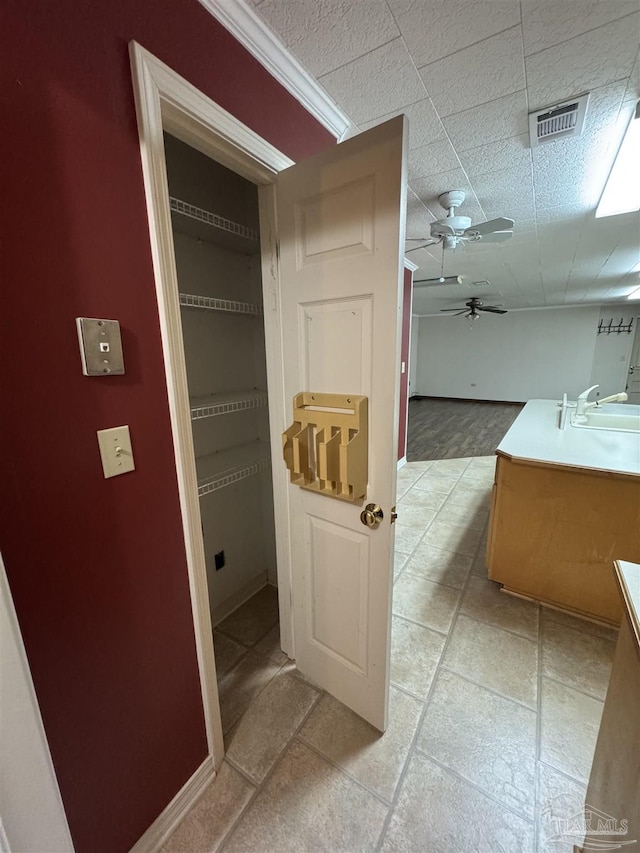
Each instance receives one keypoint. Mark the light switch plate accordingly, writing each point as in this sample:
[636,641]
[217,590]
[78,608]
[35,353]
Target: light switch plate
[100,347]
[115,451]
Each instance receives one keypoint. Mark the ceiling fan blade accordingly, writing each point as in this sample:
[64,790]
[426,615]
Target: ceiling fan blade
[493,237]
[501,224]
[454,309]
[492,309]
[424,246]
[466,311]
[414,239]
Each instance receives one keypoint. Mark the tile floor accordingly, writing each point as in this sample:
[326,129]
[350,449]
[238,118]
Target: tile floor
[495,707]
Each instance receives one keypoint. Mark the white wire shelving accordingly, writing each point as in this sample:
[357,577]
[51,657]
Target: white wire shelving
[218,470]
[205,225]
[225,404]
[210,303]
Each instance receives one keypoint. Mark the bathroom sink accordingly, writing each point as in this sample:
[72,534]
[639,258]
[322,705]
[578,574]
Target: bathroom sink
[621,421]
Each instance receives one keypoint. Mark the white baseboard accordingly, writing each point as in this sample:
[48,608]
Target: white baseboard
[239,597]
[170,817]
[402,462]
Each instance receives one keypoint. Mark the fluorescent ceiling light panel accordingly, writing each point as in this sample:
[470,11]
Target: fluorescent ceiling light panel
[622,191]
[635,294]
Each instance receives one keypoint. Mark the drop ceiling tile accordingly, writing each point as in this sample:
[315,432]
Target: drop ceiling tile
[500,119]
[380,82]
[424,123]
[546,22]
[325,34]
[509,189]
[436,29]
[582,63]
[496,156]
[480,73]
[633,86]
[432,159]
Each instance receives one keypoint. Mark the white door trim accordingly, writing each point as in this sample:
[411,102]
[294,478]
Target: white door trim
[247,27]
[166,101]
[32,815]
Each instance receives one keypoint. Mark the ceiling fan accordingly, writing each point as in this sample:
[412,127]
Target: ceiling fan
[473,306]
[456,229]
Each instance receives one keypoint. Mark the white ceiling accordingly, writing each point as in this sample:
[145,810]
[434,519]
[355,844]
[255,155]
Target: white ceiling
[466,73]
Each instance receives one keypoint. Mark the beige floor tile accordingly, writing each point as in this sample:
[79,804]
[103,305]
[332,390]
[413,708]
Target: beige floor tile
[406,477]
[483,462]
[399,562]
[586,626]
[227,653]
[481,474]
[473,499]
[433,482]
[494,658]
[479,566]
[309,805]
[559,799]
[242,685]
[474,518]
[213,815]
[483,600]
[373,759]
[449,466]
[439,813]
[415,653]
[422,601]
[579,660]
[420,498]
[269,724]
[422,465]
[569,729]
[269,646]
[488,740]
[439,566]
[416,516]
[452,537]
[254,618]
[407,537]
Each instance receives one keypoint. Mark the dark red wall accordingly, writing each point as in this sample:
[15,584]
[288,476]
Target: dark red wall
[97,567]
[404,356]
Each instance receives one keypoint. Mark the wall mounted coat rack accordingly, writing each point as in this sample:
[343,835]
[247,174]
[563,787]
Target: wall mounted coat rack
[326,447]
[610,329]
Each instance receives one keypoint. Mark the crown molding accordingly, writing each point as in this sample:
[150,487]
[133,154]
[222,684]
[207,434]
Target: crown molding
[245,26]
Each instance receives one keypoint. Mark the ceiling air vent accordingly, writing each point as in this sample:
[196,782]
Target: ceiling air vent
[482,283]
[558,122]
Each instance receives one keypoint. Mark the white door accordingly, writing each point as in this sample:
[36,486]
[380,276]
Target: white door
[633,380]
[341,236]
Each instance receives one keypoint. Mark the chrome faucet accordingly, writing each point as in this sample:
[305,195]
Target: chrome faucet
[583,405]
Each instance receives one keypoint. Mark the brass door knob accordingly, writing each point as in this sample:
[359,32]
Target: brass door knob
[371,515]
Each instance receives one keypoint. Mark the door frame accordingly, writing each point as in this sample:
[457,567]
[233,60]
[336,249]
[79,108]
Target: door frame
[166,101]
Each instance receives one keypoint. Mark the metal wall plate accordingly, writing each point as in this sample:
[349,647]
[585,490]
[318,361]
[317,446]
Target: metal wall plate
[100,347]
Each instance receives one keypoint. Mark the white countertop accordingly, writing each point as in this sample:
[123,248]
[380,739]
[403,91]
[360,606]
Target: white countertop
[629,578]
[535,436]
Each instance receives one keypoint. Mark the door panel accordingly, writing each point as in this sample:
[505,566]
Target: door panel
[336,345]
[341,232]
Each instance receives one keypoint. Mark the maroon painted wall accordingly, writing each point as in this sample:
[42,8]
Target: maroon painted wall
[97,567]
[404,356]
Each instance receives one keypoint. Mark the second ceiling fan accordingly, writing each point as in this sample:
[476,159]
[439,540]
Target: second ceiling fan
[456,229]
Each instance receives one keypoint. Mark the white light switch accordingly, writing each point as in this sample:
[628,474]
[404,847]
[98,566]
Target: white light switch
[115,451]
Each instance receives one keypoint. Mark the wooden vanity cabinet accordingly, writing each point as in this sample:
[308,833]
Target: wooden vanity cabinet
[556,530]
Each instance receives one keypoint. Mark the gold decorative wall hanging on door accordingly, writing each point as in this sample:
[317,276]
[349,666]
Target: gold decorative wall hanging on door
[326,447]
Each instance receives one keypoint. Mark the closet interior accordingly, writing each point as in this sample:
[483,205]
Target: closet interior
[215,222]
